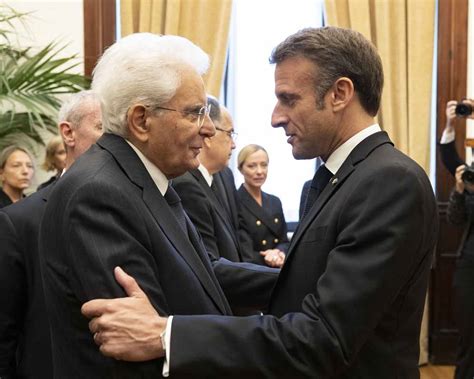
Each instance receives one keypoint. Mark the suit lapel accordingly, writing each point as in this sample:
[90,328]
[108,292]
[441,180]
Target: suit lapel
[159,208]
[229,187]
[220,210]
[358,154]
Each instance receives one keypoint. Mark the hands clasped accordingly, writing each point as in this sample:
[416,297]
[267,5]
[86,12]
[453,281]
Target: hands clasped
[273,257]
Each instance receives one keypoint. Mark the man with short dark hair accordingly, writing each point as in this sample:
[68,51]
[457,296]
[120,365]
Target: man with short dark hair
[349,300]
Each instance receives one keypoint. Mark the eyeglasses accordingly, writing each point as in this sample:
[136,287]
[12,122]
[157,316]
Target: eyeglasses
[201,114]
[230,133]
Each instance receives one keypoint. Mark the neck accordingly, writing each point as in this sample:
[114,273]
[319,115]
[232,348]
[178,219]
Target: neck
[255,192]
[208,163]
[358,121]
[14,194]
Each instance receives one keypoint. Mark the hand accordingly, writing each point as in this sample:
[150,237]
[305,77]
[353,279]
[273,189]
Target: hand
[460,187]
[450,113]
[273,257]
[127,328]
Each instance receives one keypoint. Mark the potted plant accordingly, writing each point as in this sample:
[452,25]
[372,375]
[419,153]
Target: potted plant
[31,83]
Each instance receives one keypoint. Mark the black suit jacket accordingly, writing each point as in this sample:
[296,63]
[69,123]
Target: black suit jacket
[245,238]
[4,199]
[266,224]
[209,216]
[349,299]
[25,347]
[303,197]
[104,212]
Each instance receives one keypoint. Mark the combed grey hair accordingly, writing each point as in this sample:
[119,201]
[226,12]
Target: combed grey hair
[76,107]
[145,68]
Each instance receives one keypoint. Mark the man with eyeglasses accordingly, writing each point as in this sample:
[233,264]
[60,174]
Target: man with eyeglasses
[116,207]
[202,191]
[349,300]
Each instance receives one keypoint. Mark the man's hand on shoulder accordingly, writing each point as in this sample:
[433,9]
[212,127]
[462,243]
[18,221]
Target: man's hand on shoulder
[126,328]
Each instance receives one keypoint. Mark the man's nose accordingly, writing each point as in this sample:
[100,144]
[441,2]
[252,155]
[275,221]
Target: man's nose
[279,119]
[207,129]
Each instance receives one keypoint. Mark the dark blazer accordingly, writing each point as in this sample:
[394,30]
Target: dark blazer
[349,300]
[4,199]
[25,347]
[245,239]
[303,197]
[266,223]
[104,212]
[48,182]
[209,216]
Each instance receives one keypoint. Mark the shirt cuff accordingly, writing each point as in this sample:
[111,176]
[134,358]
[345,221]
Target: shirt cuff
[166,341]
[448,136]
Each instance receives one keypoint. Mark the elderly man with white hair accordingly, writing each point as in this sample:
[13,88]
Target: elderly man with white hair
[116,207]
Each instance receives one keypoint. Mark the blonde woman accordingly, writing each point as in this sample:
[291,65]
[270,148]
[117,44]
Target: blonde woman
[261,212]
[54,160]
[16,172]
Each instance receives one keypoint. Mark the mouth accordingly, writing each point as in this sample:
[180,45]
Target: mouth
[196,149]
[291,138]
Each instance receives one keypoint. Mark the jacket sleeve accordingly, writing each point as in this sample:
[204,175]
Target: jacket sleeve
[450,157]
[456,212]
[196,205]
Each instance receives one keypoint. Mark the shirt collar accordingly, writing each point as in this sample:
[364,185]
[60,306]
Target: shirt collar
[160,180]
[337,158]
[205,173]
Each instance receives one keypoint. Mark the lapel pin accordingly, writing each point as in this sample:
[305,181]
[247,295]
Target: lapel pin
[334,181]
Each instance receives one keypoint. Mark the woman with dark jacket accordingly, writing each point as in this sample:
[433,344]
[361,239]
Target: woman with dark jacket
[261,213]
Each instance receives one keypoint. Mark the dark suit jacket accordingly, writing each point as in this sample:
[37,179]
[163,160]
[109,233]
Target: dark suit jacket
[303,197]
[209,216]
[4,199]
[245,239]
[48,182]
[349,299]
[25,347]
[266,223]
[104,212]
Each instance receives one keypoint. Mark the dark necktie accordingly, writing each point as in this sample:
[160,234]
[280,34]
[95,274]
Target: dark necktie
[174,202]
[218,188]
[320,179]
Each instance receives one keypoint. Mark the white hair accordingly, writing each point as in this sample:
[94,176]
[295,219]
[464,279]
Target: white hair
[142,67]
[77,106]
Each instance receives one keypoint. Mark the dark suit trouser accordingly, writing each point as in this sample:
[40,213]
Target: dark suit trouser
[464,315]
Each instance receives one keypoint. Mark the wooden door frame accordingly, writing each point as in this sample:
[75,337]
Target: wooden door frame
[99,30]
[451,80]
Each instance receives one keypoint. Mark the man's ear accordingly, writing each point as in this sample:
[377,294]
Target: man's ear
[342,93]
[138,124]
[67,133]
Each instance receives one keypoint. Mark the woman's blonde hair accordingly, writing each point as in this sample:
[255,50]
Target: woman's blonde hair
[246,152]
[51,147]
